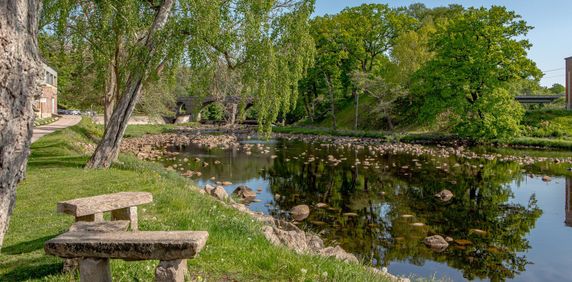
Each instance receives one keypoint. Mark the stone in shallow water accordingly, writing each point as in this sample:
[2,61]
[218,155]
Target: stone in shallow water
[478,231]
[436,243]
[445,195]
[300,212]
[244,193]
[463,242]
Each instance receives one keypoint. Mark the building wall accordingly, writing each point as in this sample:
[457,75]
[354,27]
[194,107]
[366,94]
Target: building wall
[569,83]
[47,104]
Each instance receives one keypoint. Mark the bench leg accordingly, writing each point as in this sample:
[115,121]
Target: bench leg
[98,217]
[171,271]
[126,214]
[96,270]
[70,265]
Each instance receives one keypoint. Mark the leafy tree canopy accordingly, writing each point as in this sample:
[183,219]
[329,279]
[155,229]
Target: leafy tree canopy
[476,53]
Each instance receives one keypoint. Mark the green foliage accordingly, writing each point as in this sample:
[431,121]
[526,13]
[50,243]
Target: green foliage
[214,111]
[247,48]
[557,88]
[493,116]
[548,124]
[476,54]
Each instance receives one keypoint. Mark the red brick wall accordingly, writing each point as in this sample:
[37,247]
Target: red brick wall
[44,104]
[569,83]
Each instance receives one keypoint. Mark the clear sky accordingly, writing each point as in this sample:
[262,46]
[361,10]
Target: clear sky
[551,36]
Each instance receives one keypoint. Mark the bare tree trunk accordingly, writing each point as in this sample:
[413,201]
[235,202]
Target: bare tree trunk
[108,148]
[333,102]
[110,90]
[20,69]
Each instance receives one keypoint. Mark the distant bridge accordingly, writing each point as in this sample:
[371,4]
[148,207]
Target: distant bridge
[538,99]
[192,105]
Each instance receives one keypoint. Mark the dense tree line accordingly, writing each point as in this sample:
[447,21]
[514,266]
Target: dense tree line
[453,67]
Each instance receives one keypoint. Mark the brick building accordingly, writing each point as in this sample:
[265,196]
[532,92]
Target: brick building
[47,104]
[568,83]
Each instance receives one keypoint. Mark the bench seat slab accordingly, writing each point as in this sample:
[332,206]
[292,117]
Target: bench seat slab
[103,203]
[142,245]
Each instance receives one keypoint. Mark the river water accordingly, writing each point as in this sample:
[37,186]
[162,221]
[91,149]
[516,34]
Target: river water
[506,222]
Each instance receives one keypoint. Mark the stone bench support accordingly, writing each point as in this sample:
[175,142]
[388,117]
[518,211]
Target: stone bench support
[171,270]
[122,205]
[94,270]
[94,249]
[129,213]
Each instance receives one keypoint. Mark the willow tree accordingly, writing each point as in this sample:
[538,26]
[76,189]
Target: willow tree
[20,69]
[270,38]
[257,50]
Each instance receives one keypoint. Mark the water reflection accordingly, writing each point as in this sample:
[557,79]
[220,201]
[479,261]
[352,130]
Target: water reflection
[568,203]
[380,207]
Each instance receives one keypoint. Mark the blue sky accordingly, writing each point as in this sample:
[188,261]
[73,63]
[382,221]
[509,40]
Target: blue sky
[551,36]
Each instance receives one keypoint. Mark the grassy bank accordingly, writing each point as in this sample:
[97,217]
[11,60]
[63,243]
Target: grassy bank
[236,249]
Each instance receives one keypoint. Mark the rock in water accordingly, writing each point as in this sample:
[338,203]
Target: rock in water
[546,178]
[300,212]
[445,195]
[244,193]
[436,243]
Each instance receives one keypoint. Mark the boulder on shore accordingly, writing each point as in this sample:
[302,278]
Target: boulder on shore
[183,119]
[300,212]
[219,193]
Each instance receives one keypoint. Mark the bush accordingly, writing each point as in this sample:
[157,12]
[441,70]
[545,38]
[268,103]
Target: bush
[493,116]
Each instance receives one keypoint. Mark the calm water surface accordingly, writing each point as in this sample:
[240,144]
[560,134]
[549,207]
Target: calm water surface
[373,205]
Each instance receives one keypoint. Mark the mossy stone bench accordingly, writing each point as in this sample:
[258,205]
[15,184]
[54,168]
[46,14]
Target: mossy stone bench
[122,205]
[94,249]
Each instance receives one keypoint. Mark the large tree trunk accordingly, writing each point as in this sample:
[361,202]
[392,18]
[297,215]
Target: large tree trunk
[108,148]
[20,69]
[110,93]
[356,95]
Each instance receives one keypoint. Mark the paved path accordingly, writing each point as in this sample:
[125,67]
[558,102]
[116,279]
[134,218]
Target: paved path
[63,122]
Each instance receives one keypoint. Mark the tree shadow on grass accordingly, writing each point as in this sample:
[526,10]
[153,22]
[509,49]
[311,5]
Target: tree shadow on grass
[26,247]
[32,269]
[54,162]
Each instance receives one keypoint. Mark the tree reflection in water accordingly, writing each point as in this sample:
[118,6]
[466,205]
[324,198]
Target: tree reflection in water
[371,208]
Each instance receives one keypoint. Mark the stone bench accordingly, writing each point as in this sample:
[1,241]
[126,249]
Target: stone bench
[94,249]
[122,205]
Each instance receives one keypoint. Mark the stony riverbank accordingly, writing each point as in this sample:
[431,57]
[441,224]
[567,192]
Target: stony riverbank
[152,147]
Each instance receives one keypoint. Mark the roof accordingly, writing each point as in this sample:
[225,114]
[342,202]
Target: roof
[49,69]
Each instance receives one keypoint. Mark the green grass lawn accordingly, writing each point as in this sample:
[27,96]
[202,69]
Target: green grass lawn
[236,249]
